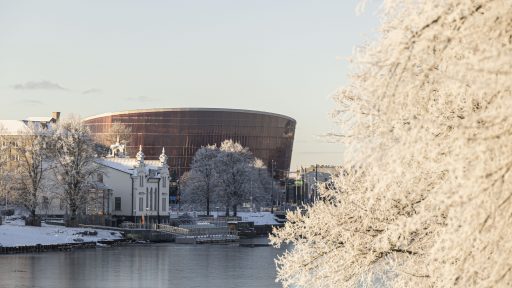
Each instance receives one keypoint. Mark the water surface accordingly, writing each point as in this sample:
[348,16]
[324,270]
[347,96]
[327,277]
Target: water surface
[160,265]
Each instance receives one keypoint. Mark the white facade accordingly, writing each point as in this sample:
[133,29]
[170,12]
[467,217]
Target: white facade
[139,188]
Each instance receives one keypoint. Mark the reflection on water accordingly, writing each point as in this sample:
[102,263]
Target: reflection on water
[162,265]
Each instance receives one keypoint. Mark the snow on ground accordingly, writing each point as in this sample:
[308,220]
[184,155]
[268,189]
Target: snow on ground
[16,233]
[259,218]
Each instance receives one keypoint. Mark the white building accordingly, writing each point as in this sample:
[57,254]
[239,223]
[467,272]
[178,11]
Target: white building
[129,189]
[137,188]
[316,176]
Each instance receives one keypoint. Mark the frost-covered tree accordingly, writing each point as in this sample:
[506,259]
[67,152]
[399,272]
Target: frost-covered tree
[427,128]
[30,166]
[227,176]
[75,164]
[201,181]
[117,131]
[4,160]
[235,173]
[261,184]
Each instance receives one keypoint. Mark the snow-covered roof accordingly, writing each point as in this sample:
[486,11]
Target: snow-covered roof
[12,127]
[127,165]
[17,127]
[101,186]
[39,119]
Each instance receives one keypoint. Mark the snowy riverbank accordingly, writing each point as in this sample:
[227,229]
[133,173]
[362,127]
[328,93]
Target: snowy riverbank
[15,233]
[259,218]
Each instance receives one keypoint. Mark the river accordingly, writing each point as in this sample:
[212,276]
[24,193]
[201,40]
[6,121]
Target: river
[156,265]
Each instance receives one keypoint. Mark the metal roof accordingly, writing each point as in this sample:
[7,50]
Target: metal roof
[189,109]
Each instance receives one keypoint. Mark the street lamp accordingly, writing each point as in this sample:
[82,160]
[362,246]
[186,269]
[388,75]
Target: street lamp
[178,195]
[272,194]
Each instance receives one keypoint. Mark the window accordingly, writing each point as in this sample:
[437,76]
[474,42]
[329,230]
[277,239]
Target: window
[151,199]
[117,204]
[141,204]
[100,177]
[156,200]
[147,197]
[141,181]
[164,205]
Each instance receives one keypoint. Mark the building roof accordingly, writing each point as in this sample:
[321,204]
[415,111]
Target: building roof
[190,109]
[40,119]
[18,127]
[12,127]
[127,165]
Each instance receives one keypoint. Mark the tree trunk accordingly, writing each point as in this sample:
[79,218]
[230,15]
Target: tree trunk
[73,218]
[227,211]
[33,220]
[234,210]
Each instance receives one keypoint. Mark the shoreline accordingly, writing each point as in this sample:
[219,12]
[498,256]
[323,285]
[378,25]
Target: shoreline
[69,247]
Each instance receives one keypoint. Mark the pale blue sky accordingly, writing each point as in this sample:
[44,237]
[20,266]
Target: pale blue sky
[94,56]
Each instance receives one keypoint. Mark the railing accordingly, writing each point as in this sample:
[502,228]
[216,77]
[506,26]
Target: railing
[138,226]
[172,229]
[207,232]
[217,232]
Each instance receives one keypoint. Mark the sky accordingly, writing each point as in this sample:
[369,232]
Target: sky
[86,57]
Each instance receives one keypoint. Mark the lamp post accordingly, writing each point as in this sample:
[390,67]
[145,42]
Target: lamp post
[178,196]
[272,193]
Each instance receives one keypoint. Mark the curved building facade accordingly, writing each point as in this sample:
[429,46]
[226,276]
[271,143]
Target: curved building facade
[182,131]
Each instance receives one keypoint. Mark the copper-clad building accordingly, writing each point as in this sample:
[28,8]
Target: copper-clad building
[183,130]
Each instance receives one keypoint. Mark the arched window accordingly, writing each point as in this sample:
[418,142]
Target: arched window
[147,197]
[151,199]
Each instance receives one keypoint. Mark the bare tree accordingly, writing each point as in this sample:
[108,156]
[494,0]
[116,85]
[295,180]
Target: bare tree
[117,131]
[75,164]
[202,178]
[426,125]
[4,161]
[30,153]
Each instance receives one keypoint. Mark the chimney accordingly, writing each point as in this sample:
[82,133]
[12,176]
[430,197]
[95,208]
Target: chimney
[56,116]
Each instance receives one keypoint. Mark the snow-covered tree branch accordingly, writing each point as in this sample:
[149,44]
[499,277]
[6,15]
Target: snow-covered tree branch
[426,121]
